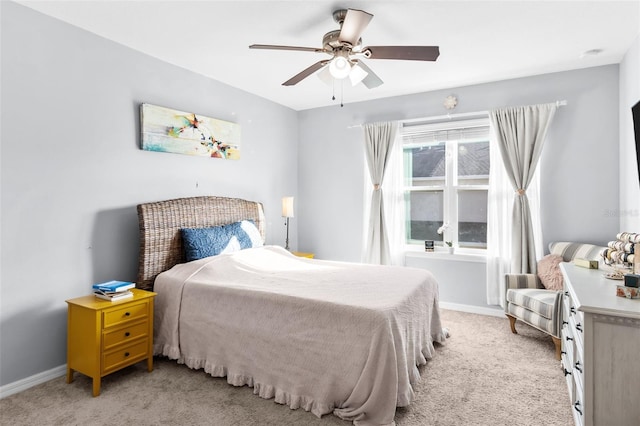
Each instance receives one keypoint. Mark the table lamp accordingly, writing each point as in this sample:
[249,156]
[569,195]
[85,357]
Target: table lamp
[287,212]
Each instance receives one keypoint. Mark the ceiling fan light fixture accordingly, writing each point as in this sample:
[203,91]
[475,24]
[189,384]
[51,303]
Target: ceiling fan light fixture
[326,77]
[339,67]
[357,74]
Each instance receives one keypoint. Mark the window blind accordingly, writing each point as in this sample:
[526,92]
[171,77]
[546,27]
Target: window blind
[463,130]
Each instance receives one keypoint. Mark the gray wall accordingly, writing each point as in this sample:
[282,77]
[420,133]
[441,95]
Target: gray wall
[578,173]
[72,171]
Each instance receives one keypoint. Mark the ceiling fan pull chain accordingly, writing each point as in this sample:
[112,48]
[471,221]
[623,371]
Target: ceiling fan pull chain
[341,93]
[333,89]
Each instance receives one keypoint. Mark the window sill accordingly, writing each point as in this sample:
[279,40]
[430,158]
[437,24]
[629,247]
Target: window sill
[465,255]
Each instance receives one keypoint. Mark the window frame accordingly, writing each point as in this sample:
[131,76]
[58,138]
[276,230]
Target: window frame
[452,187]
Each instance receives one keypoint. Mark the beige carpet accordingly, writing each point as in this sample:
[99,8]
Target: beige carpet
[483,375]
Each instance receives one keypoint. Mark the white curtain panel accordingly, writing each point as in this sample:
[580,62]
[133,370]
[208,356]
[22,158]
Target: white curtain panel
[379,139]
[500,200]
[394,206]
[513,228]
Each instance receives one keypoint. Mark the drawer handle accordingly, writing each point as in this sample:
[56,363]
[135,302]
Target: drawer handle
[576,405]
[564,323]
[572,310]
[563,352]
[126,314]
[578,366]
[566,293]
[126,354]
[566,372]
[579,327]
[568,338]
[127,334]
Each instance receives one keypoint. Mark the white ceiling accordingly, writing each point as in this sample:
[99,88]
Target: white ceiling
[480,41]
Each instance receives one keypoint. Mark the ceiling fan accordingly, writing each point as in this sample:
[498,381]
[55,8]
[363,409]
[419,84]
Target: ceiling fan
[345,47]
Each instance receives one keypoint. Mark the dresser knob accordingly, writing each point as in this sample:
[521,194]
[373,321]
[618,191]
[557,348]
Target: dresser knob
[126,314]
[127,334]
[127,354]
[576,407]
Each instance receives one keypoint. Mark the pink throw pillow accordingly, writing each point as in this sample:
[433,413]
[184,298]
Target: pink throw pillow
[549,272]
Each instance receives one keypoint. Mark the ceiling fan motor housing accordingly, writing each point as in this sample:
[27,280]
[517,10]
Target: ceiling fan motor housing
[339,15]
[330,41]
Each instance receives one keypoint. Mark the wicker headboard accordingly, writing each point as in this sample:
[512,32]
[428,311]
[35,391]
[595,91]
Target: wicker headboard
[160,223]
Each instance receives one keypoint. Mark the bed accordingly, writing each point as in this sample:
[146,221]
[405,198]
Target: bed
[324,336]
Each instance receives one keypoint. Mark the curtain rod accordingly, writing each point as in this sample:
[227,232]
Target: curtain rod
[450,116]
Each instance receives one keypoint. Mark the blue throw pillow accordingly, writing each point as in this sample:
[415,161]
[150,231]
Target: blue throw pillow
[204,242]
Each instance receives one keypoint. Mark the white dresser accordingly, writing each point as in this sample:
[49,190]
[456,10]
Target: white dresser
[600,349]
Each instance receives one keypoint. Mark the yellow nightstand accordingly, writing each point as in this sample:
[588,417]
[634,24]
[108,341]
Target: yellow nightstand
[300,254]
[105,336]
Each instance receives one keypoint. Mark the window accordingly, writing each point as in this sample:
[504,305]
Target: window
[446,170]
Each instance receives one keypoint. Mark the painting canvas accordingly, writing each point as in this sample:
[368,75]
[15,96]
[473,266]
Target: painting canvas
[168,130]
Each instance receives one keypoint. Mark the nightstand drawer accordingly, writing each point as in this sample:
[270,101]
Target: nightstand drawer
[126,334]
[124,356]
[127,313]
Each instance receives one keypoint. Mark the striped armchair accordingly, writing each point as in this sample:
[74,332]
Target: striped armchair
[528,301]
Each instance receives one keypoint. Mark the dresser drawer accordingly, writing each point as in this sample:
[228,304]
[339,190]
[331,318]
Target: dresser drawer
[568,348]
[124,356]
[577,404]
[126,334]
[130,312]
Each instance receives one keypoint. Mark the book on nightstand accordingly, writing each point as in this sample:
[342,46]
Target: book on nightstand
[113,296]
[114,286]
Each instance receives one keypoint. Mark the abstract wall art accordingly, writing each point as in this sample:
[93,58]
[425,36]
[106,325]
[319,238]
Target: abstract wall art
[168,130]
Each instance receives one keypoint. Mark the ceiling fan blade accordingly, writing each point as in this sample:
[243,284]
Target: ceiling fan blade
[371,81]
[276,47]
[407,53]
[354,24]
[305,73]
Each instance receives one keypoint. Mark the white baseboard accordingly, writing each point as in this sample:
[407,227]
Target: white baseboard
[34,380]
[494,312]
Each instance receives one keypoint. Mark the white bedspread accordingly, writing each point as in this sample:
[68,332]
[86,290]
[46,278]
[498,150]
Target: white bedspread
[324,336]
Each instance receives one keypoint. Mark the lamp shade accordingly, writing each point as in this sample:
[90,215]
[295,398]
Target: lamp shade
[357,74]
[339,67]
[287,206]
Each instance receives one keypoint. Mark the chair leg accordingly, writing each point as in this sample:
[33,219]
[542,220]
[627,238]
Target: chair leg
[512,323]
[558,344]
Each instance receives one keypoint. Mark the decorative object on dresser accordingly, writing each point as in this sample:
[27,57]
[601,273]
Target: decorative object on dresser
[287,212]
[105,336]
[600,346]
[621,251]
[536,299]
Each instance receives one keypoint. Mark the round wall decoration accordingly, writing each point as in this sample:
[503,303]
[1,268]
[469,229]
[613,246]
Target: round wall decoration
[450,102]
